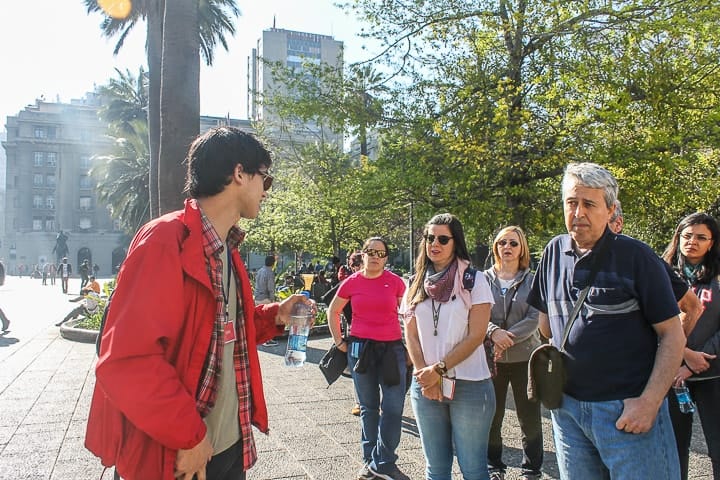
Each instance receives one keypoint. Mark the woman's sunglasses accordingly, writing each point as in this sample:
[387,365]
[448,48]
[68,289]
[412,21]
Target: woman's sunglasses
[267,180]
[371,252]
[443,239]
[504,242]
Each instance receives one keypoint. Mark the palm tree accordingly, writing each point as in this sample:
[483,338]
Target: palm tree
[126,100]
[215,22]
[122,177]
[179,98]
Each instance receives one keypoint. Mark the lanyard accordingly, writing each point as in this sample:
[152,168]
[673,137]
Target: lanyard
[228,270]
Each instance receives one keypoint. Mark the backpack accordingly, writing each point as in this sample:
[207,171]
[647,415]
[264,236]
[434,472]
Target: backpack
[102,324]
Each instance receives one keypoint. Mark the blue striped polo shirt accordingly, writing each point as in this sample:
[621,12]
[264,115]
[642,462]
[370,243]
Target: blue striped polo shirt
[611,349]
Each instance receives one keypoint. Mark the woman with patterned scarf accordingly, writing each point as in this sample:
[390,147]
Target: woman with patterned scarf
[445,324]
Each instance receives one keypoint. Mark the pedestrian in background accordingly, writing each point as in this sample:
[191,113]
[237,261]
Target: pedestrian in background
[694,253]
[445,325]
[3,317]
[376,357]
[65,270]
[513,329]
[265,289]
[179,386]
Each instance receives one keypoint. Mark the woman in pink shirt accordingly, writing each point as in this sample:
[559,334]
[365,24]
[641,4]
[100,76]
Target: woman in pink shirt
[376,356]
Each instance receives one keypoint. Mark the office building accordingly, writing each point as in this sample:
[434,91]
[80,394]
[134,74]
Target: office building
[48,187]
[290,49]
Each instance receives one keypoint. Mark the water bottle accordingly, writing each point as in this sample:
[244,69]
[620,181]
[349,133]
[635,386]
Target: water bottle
[301,318]
[683,398]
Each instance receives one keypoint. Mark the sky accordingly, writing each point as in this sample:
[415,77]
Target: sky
[54,48]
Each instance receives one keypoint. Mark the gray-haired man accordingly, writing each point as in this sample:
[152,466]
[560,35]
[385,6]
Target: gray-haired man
[624,347]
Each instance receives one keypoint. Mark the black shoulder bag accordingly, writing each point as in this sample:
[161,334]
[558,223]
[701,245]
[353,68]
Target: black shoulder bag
[546,368]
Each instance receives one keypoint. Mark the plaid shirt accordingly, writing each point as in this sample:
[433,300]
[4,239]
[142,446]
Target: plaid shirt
[207,388]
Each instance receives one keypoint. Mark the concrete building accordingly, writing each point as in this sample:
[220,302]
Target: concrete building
[291,49]
[48,189]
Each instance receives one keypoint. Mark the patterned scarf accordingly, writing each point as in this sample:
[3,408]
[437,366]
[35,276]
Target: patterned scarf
[439,286]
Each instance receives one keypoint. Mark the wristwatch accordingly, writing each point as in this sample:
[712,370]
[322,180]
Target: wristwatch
[440,368]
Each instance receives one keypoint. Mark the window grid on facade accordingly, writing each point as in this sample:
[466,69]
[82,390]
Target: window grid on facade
[85,181]
[51,159]
[37,201]
[50,202]
[37,224]
[38,159]
[37,180]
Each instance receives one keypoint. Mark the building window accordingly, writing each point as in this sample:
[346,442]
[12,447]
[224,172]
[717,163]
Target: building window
[85,203]
[49,224]
[85,223]
[85,181]
[51,159]
[37,201]
[39,159]
[40,132]
[50,202]
[50,180]
[37,224]
[37,179]
[85,162]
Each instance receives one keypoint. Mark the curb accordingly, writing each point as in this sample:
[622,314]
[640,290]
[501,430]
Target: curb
[69,332]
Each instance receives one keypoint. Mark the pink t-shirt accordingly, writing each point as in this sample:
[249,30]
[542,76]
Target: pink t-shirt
[374,305]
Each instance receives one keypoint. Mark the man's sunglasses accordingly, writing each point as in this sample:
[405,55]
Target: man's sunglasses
[267,180]
[375,253]
[504,242]
[443,239]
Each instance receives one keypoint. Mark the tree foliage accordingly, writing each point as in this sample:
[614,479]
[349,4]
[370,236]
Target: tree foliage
[492,98]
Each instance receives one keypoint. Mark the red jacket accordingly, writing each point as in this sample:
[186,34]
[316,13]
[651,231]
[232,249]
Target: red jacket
[154,346]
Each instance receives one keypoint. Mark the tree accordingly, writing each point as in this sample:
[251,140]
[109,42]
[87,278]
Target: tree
[215,22]
[493,98]
[122,177]
[179,98]
[125,100]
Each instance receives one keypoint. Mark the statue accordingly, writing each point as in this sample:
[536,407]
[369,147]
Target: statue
[60,249]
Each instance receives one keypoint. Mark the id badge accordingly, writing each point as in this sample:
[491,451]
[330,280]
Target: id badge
[448,387]
[230,334]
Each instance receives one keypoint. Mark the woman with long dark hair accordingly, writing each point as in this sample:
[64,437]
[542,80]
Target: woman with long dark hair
[376,357]
[446,311]
[694,253]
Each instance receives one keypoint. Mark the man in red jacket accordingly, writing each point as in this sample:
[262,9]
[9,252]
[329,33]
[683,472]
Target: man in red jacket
[178,384]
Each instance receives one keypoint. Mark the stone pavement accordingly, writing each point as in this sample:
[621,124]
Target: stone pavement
[46,383]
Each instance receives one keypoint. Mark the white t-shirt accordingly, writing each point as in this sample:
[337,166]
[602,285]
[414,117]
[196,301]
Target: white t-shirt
[452,328]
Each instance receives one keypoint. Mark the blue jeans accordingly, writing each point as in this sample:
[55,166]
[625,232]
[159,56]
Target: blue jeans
[463,422]
[380,432]
[590,447]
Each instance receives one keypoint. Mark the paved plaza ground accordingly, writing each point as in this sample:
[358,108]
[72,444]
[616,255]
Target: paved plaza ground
[46,382]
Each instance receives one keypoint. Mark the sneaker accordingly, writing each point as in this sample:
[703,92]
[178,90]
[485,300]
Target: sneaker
[365,473]
[395,474]
[271,343]
[497,475]
[355,410]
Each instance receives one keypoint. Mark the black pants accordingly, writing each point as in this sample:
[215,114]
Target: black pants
[227,465]
[706,395]
[528,413]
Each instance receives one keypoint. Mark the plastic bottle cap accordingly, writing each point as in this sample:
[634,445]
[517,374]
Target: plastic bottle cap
[306,293]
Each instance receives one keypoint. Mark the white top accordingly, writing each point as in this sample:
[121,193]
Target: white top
[452,328]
